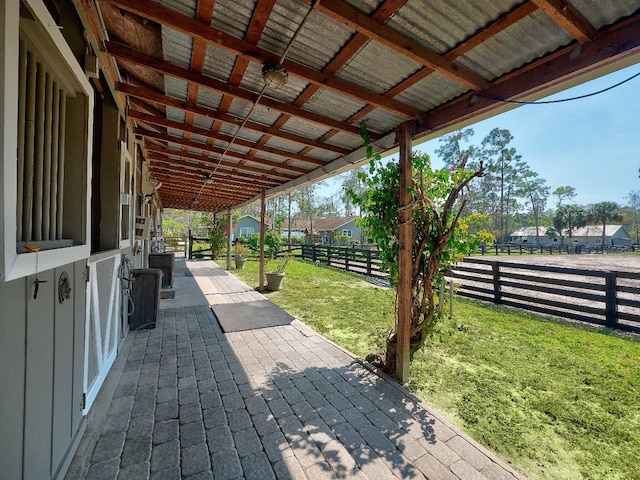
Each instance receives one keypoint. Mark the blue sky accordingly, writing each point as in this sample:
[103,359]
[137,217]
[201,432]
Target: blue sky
[591,144]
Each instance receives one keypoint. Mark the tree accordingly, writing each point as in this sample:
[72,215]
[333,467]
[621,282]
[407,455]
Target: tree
[568,218]
[452,152]
[352,184]
[634,203]
[440,236]
[564,193]
[537,192]
[504,165]
[602,213]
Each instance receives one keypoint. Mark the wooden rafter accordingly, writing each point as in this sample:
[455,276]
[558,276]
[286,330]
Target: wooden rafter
[219,151]
[153,119]
[237,167]
[565,15]
[220,39]
[362,23]
[124,52]
[150,95]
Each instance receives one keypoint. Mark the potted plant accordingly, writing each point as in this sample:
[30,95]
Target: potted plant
[276,274]
[241,253]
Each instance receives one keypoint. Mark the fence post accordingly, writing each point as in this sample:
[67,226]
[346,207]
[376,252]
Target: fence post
[329,256]
[496,249]
[313,253]
[190,246]
[611,281]
[368,262]
[451,298]
[495,268]
[346,259]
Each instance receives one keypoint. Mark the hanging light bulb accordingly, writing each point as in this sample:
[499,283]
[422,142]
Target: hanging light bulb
[274,76]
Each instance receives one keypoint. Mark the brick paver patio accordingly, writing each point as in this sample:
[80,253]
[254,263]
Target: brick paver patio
[186,400]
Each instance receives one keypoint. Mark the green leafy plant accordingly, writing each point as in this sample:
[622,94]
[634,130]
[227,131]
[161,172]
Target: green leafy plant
[440,236]
[278,265]
[272,242]
[217,237]
[241,252]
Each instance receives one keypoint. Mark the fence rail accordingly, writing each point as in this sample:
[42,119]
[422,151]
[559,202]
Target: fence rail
[352,259]
[555,249]
[607,298]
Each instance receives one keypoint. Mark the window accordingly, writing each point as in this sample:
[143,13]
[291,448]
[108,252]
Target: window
[347,233]
[45,102]
[246,231]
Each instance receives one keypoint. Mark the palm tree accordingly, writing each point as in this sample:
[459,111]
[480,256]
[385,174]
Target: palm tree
[569,217]
[603,212]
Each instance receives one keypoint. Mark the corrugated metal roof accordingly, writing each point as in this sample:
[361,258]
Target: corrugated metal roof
[304,128]
[527,40]
[177,47]
[209,98]
[333,105]
[185,7]
[176,88]
[316,44]
[260,114]
[364,68]
[602,13]
[233,16]
[443,25]
[218,63]
[431,92]
[437,25]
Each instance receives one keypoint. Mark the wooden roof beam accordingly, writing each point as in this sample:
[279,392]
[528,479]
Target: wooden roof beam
[152,96]
[570,19]
[127,53]
[364,24]
[165,122]
[217,38]
[170,164]
[213,162]
[218,150]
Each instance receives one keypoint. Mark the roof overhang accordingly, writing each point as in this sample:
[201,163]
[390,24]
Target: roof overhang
[189,74]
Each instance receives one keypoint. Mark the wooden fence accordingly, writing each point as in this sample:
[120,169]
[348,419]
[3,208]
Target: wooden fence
[352,259]
[555,249]
[608,298]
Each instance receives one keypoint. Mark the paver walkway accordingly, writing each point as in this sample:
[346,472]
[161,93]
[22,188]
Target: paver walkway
[187,401]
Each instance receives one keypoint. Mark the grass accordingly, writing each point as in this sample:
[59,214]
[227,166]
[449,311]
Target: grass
[556,401]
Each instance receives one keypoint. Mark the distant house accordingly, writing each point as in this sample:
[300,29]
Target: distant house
[328,228]
[527,236]
[614,235]
[247,225]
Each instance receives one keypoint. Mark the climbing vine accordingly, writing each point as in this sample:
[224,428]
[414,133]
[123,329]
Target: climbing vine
[441,237]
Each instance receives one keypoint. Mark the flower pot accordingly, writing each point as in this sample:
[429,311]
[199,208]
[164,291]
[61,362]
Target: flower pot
[240,263]
[274,281]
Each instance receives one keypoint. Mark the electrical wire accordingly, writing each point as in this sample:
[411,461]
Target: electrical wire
[547,102]
[283,56]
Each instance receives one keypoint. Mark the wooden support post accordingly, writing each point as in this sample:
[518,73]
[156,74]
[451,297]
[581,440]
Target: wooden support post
[497,295]
[229,239]
[441,298]
[611,304]
[405,263]
[263,207]
[451,298]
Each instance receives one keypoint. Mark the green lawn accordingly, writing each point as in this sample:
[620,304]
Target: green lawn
[556,401]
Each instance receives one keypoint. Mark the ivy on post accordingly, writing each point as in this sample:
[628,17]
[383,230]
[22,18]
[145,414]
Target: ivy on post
[413,212]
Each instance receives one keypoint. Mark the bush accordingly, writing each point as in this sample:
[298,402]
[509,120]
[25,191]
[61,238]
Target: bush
[272,242]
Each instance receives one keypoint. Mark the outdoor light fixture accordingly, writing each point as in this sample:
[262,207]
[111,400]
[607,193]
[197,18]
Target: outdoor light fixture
[274,76]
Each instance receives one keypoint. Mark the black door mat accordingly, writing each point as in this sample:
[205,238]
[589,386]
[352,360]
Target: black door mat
[236,317]
[167,294]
